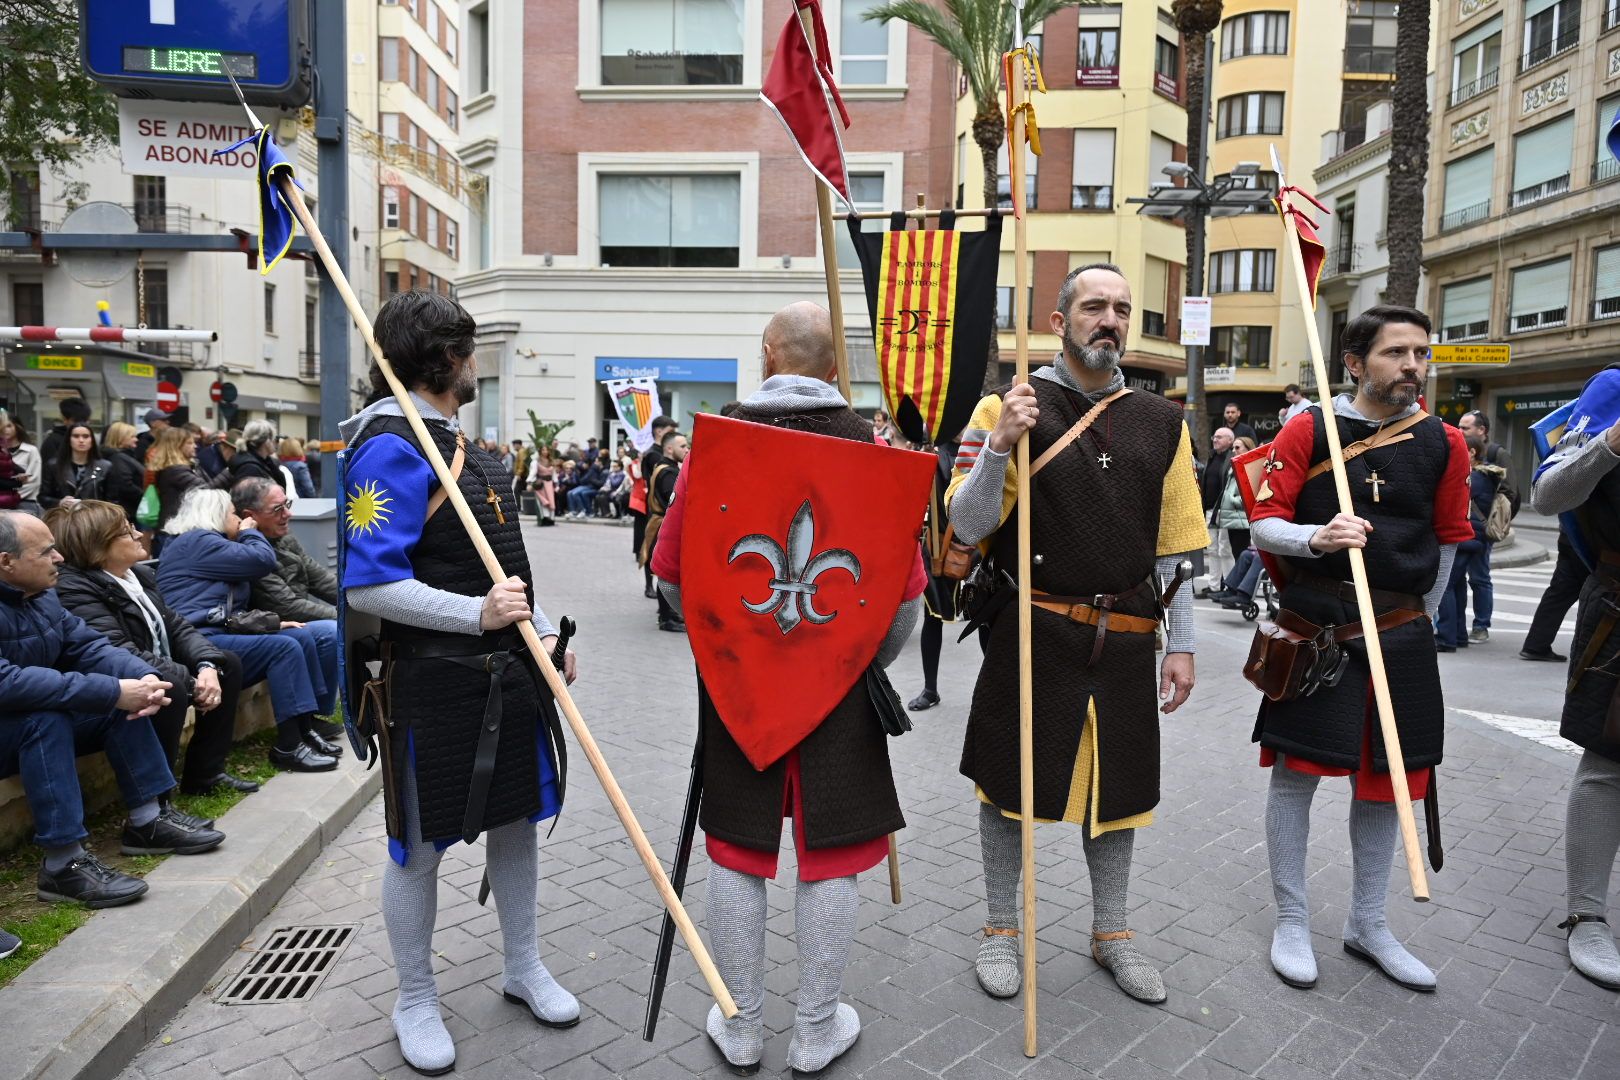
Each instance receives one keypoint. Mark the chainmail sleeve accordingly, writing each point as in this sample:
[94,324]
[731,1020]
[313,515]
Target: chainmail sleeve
[905,621]
[975,508]
[1178,631]
[1571,474]
[413,603]
[1442,578]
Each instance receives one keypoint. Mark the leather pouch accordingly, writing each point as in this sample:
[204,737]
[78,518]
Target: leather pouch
[954,560]
[1278,662]
[891,713]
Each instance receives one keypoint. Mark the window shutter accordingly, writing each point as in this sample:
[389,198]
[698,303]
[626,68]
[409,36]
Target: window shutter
[1477,35]
[1543,154]
[1540,288]
[1155,284]
[1536,7]
[1465,303]
[1094,157]
[1607,285]
[1468,181]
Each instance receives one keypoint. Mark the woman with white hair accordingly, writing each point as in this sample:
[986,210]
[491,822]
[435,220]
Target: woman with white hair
[257,453]
[209,562]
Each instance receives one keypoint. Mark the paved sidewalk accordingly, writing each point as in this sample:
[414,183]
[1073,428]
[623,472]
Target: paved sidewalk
[1508,1004]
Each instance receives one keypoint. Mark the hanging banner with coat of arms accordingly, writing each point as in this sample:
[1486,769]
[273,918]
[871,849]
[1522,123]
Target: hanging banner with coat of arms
[931,296]
[636,401]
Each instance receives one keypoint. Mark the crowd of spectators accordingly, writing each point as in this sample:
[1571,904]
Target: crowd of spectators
[106,649]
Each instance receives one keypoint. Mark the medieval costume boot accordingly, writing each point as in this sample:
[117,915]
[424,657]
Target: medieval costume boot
[737,939]
[824,926]
[410,903]
[511,860]
[1288,830]
[1000,843]
[1591,838]
[1108,859]
[1373,829]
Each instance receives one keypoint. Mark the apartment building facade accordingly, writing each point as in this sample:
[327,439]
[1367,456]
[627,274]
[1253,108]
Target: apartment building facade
[1523,244]
[645,214]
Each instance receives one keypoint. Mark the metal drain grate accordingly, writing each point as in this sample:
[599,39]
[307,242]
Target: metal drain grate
[289,967]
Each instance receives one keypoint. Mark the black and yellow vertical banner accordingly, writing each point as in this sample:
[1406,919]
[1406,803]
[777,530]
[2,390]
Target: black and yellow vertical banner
[931,296]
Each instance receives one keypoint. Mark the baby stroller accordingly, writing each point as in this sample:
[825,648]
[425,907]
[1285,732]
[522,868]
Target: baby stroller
[1264,593]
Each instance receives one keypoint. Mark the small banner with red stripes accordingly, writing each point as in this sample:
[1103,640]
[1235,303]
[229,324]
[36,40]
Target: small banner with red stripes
[931,294]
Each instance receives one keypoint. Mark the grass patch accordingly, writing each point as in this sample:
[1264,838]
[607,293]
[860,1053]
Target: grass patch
[41,926]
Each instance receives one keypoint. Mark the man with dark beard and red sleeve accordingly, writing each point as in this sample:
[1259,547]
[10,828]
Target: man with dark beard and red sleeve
[1408,480]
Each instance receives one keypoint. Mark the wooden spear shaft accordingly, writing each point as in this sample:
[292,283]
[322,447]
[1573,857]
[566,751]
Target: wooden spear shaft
[1358,577]
[1026,670]
[829,261]
[554,678]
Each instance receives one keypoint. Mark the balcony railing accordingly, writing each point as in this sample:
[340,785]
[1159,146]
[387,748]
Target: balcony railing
[1606,168]
[1343,141]
[1473,331]
[1342,258]
[1484,83]
[1540,54]
[1539,320]
[1558,185]
[1606,307]
[1369,60]
[160,217]
[309,364]
[1468,215]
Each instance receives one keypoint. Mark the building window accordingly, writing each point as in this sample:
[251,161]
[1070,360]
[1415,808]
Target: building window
[309,357]
[390,207]
[1611,14]
[452,109]
[1258,113]
[432,96]
[452,40]
[1093,169]
[1167,61]
[1097,58]
[1551,27]
[1155,296]
[1475,61]
[1541,160]
[1259,33]
[151,204]
[389,121]
[388,59]
[411,202]
[432,236]
[962,145]
[1607,166]
[1468,190]
[1004,181]
[863,46]
[1605,289]
[452,237]
[867,190]
[269,308]
[28,302]
[1239,346]
[672,42]
[1343,257]
[157,304]
[1369,37]
[25,199]
[1540,296]
[1004,307]
[1465,310]
[1243,270]
[390,282]
[685,221]
[1161,152]
[478,50]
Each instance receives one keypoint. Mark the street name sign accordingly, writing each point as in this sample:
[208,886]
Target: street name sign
[1468,354]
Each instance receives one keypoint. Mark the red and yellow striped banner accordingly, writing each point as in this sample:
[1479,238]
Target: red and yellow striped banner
[916,308]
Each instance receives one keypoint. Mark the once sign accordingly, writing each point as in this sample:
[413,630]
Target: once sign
[164,138]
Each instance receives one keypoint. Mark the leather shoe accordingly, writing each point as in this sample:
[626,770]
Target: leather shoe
[223,780]
[304,759]
[169,833]
[90,882]
[332,733]
[672,626]
[650,592]
[322,745]
[925,700]
[190,820]
[1235,602]
[1220,594]
[1549,655]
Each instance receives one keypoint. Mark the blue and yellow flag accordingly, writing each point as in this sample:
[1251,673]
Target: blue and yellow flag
[276,221]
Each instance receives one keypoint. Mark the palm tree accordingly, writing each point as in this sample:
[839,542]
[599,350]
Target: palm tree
[1195,19]
[975,33]
[1408,153]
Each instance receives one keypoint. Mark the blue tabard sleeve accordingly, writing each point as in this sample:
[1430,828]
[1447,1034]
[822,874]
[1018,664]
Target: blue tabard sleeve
[386,490]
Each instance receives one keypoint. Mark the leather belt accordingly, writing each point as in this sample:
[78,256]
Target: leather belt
[1346,591]
[1098,611]
[1389,620]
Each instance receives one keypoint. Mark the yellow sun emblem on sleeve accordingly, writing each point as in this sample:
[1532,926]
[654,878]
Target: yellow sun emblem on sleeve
[367,509]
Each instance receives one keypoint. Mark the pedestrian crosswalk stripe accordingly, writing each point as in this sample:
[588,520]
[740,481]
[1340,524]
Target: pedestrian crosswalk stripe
[1544,732]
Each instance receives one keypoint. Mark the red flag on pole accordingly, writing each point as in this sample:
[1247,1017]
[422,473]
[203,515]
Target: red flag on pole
[801,92]
[1310,246]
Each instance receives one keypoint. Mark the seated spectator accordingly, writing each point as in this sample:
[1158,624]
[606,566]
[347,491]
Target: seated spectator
[173,460]
[76,472]
[607,499]
[19,483]
[64,691]
[1239,584]
[102,583]
[586,484]
[208,564]
[126,473]
[291,453]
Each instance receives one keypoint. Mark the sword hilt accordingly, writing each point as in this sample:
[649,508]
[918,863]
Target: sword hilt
[565,630]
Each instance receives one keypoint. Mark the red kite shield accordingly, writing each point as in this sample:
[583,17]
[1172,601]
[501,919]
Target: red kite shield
[795,553]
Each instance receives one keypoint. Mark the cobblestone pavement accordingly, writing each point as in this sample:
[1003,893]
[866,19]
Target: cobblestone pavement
[1508,1003]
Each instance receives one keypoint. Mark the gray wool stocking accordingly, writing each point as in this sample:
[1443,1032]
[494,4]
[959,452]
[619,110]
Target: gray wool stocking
[824,927]
[410,903]
[1108,859]
[1591,838]
[1288,832]
[512,862]
[736,926]
[1000,844]
[1373,829]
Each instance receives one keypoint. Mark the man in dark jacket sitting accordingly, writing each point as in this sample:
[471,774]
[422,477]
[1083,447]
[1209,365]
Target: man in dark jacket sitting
[300,589]
[66,691]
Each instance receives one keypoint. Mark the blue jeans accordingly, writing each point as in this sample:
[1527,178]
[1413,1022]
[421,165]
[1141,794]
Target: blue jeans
[41,746]
[288,659]
[1479,577]
[579,499]
[325,633]
[1451,627]
[1244,576]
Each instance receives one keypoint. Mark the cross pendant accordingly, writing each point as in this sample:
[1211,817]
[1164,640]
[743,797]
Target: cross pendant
[494,500]
[1377,484]
[1103,460]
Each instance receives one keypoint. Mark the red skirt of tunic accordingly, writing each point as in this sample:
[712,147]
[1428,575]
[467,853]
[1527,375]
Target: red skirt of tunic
[1370,786]
[815,864]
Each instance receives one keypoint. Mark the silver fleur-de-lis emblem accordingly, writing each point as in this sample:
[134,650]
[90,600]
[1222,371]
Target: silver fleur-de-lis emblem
[794,571]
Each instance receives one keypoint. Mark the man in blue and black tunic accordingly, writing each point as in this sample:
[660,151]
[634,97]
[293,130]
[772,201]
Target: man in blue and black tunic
[468,737]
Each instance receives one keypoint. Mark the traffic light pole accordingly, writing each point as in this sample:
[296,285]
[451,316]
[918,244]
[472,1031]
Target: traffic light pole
[331,136]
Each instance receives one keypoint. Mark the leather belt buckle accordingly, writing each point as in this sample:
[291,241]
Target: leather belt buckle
[496,662]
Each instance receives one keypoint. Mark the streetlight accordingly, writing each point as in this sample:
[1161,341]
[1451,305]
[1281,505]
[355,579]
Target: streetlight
[1229,196]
